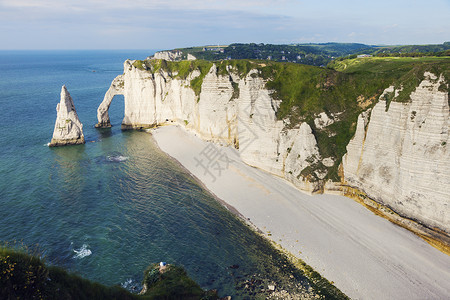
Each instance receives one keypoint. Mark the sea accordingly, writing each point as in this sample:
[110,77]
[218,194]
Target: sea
[108,209]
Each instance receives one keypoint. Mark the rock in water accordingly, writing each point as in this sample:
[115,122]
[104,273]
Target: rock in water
[68,128]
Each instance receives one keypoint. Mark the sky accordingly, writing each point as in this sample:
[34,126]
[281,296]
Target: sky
[158,24]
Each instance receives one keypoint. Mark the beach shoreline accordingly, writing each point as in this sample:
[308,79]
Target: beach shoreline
[299,264]
[228,206]
[365,256]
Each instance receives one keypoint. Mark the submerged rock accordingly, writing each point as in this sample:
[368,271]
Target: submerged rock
[68,128]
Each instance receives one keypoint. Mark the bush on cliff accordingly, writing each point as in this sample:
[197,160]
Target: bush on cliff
[26,276]
[172,282]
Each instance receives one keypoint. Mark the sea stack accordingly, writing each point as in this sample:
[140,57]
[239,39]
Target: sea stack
[68,128]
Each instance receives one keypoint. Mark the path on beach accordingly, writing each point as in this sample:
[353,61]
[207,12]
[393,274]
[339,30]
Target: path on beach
[366,256]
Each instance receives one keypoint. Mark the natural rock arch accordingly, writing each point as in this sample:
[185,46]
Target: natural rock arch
[116,88]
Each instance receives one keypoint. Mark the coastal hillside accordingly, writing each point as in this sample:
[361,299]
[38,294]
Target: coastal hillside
[27,276]
[309,54]
[315,54]
[373,127]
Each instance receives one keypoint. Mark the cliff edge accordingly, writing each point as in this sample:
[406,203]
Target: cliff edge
[322,130]
[399,155]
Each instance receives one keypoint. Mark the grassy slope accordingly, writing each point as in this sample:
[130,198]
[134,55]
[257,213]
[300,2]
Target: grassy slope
[306,90]
[366,78]
[412,48]
[402,71]
[173,283]
[310,54]
[25,276]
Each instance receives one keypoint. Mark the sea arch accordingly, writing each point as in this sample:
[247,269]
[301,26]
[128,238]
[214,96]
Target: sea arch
[116,88]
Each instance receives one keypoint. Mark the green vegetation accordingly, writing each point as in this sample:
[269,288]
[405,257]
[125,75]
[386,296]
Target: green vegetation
[235,90]
[310,54]
[325,288]
[25,276]
[413,50]
[180,69]
[173,283]
[401,51]
[404,73]
[240,67]
[342,90]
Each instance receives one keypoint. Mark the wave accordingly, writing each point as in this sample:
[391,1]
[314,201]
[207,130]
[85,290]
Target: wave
[116,158]
[131,285]
[82,252]
[127,284]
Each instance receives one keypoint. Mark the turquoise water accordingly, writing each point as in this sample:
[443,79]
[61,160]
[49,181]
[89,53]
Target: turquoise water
[109,208]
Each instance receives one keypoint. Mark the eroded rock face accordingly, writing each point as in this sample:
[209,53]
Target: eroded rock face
[401,160]
[398,157]
[116,88]
[168,55]
[68,128]
[245,120]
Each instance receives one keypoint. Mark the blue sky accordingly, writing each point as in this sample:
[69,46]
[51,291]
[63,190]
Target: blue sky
[157,24]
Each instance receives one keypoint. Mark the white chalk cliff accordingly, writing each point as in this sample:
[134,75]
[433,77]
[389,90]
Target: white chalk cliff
[168,55]
[68,128]
[400,160]
[116,88]
[400,157]
[246,121]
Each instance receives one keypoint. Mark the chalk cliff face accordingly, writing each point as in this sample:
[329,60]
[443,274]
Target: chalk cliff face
[68,128]
[116,88]
[399,158]
[168,55]
[246,121]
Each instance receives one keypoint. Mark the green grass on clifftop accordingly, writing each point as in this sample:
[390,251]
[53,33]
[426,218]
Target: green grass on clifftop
[180,69]
[406,72]
[344,89]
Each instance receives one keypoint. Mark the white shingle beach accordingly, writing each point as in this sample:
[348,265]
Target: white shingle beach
[366,256]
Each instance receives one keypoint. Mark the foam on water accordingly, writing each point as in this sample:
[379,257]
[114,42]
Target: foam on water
[116,158]
[127,283]
[131,285]
[122,196]
[82,252]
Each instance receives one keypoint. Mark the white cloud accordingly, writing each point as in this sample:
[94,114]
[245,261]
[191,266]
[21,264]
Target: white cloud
[176,23]
[249,5]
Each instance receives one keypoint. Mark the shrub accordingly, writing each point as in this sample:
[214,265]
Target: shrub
[172,283]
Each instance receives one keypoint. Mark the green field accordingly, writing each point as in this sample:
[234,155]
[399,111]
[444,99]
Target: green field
[384,64]
[315,54]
